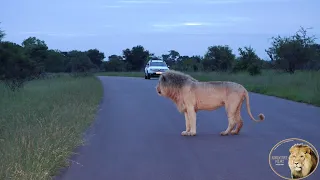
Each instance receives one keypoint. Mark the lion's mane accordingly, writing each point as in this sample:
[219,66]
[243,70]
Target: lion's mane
[302,160]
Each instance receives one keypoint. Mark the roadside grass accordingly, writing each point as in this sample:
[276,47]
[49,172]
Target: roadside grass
[43,123]
[302,86]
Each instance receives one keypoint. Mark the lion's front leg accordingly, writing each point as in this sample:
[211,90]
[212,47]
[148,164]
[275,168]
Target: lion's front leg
[191,117]
[187,131]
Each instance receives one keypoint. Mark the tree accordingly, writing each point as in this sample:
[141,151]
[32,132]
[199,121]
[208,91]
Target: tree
[186,63]
[136,57]
[314,63]
[248,61]
[96,56]
[2,34]
[218,58]
[80,63]
[36,50]
[55,61]
[15,67]
[172,57]
[293,52]
[115,63]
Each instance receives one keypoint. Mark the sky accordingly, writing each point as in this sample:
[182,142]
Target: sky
[188,26]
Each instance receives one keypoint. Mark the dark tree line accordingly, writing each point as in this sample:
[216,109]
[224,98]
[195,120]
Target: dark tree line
[289,53]
[33,59]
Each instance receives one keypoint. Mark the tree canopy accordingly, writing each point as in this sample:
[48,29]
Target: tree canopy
[33,59]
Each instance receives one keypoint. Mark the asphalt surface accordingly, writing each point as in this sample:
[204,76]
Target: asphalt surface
[136,136]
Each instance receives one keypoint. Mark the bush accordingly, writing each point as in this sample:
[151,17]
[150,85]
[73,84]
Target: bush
[15,67]
[254,70]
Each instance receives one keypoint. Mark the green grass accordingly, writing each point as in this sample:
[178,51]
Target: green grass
[42,124]
[300,86]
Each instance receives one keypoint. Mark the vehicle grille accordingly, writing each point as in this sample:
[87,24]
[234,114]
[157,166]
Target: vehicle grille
[160,70]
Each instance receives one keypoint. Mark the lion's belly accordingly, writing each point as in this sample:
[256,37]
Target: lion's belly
[209,102]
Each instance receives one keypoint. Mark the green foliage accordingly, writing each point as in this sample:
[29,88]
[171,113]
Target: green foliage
[136,58]
[55,61]
[2,34]
[15,66]
[115,64]
[36,50]
[293,52]
[218,58]
[254,69]
[41,124]
[35,60]
[81,64]
[96,56]
[248,61]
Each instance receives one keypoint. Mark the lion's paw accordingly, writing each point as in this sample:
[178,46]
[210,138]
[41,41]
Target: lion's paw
[188,133]
[184,133]
[224,133]
[234,132]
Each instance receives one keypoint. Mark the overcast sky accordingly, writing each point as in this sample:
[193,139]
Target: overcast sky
[188,26]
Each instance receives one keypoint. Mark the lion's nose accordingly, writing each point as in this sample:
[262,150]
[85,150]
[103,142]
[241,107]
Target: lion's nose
[296,163]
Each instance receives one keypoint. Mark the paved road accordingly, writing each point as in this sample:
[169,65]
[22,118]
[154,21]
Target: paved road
[137,137]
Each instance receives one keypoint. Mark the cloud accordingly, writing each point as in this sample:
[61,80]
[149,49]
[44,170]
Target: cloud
[72,34]
[219,22]
[223,1]
[59,34]
[243,1]
[145,2]
[112,6]
[167,25]
[238,19]
[30,32]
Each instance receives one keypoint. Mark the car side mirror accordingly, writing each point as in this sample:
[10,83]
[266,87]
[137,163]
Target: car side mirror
[168,66]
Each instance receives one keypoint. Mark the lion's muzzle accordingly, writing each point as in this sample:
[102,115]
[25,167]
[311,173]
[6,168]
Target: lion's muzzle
[297,166]
[158,90]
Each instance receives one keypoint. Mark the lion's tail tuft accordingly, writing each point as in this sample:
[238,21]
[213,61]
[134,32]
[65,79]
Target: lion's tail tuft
[261,116]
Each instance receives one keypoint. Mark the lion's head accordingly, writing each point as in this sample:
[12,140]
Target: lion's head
[171,82]
[302,160]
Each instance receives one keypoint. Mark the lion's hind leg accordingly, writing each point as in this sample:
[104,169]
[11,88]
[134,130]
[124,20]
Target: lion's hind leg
[231,109]
[239,124]
[239,121]
[231,125]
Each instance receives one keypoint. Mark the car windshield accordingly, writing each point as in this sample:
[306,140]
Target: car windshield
[157,64]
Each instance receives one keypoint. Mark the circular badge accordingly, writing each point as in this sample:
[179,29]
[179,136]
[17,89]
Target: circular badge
[293,158]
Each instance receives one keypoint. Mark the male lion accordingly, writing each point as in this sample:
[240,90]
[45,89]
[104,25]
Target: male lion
[190,96]
[302,161]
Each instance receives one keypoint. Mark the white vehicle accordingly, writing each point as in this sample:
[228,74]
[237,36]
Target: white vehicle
[154,68]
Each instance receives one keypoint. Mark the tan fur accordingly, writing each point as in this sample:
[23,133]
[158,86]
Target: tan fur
[302,161]
[190,96]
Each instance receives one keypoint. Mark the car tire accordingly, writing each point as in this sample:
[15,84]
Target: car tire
[145,76]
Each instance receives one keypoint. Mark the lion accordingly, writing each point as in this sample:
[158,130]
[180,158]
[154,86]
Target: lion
[191,95]
[302,161]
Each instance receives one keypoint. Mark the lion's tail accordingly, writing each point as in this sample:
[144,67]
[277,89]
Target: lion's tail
[261,116]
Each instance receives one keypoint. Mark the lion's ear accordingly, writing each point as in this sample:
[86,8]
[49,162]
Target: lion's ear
[308,150]
[291,150]
[164,79]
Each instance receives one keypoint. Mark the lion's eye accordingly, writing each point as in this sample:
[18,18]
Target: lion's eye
[301,156]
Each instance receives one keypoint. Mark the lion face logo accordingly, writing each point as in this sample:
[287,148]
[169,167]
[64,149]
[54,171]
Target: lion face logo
[302,160]
[297,160]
